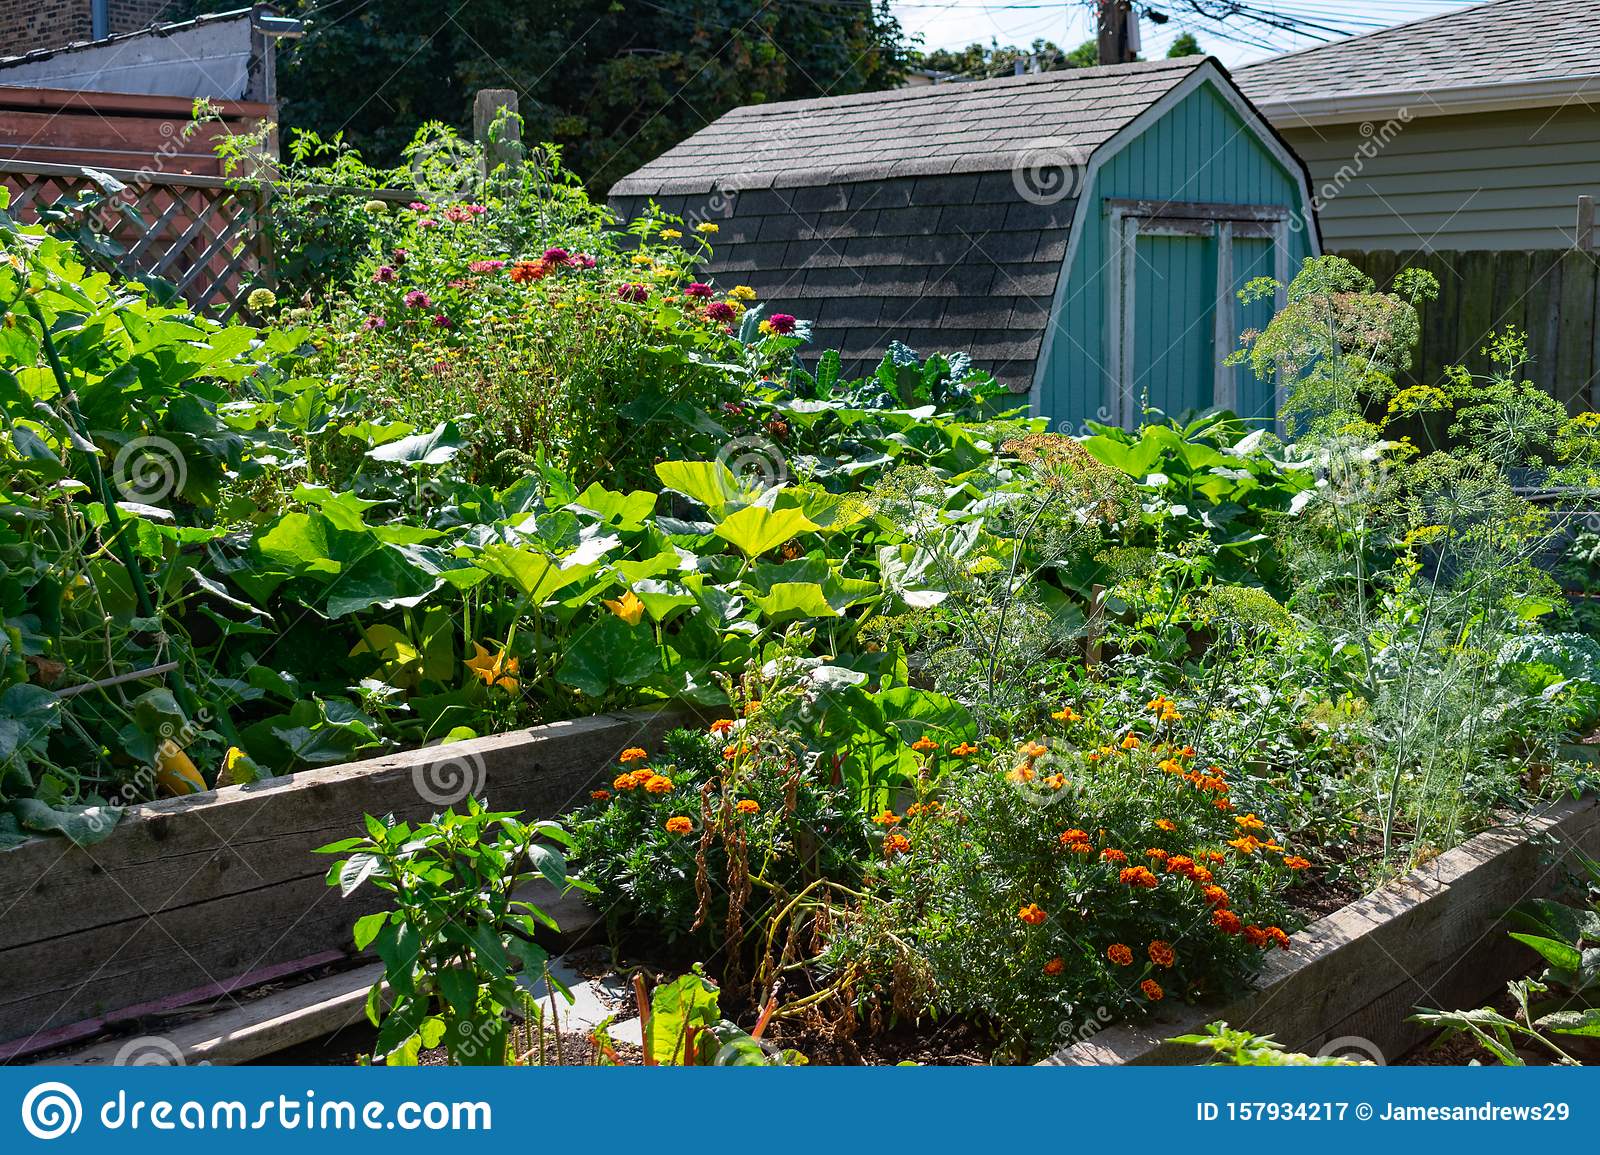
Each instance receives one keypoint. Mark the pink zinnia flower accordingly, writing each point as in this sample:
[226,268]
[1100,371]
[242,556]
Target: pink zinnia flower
[384,275]
[699,289]
[426,223]
[781,323]
[373,322]
[583,262]
[556,256]
[486,266]
[417,299]
[457,214]
[719,311]
[638,294]
[418,206]
[399,256]
[440,321]
[475,210]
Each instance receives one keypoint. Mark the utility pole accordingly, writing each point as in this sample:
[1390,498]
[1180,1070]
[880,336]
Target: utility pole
[1115,40]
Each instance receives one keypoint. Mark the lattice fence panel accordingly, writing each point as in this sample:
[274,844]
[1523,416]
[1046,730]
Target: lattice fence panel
[208,239]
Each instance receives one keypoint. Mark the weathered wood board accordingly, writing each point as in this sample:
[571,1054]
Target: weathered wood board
[191,892]
[1435,938]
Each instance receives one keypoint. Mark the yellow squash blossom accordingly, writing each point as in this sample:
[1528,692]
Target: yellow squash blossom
[628,607]
[495,669]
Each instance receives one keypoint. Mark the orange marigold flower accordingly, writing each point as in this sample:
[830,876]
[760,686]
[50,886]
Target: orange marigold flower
[1080,848]
[600,795]
[1119,954]
[632,754]
[735,750]
[622,782]
[886,817]
[1034,750]
[678,824]
[1032,914]
[1250,822]
[1166,824]
[924,745]
[751,709]
[1226,921]
[1110,854]
[1137,876]
[1170,766]
[1248,844]
[1223,805]
[1186,752]
[1201,875]
[1162,954]
[1180,864]
[1156,853]
[1278,936]
[1215,856]
[658,784]
[1022,773]
[722,726]
[896,843]
[965,750]
[1054,967]
[1131,742]
[1056,781]
[1152,990]
[1215,896]
[1067,714]
[1295,862]
[1074,835]
[747,806]
[1255,936]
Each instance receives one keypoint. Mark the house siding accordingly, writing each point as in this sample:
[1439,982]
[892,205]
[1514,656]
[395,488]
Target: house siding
[1505,180]
[1200,150]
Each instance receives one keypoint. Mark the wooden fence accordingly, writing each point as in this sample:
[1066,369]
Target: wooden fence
[1549,294]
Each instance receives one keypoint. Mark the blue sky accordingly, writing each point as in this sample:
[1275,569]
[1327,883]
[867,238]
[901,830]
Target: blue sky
[957,23]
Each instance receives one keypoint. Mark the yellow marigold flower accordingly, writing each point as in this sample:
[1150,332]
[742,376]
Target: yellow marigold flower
[747,806]
[658,784]
[632,754]
[964,750]
[1067,714]
[1170,766]
[1162,954]
[678,824]
[1166,824]
[1131,742]
[1120,954]
[1250,822]
[1034,750]
[1249,844]
[742,293]
[1032,914]
[706,227]
[886,817]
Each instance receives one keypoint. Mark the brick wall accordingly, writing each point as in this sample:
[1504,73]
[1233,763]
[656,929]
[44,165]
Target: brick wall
[132,15]
[29,24]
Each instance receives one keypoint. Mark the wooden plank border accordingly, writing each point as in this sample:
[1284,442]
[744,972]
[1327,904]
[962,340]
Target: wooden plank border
[192,892]
[1433,938]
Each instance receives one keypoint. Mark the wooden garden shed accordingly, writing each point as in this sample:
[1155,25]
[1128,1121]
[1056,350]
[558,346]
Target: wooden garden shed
[1081,233]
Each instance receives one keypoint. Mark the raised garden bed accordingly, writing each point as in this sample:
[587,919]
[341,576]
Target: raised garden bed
[1434,938]
[192,898]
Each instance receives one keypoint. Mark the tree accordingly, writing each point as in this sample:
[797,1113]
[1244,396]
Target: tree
[979,62]
[615,82]
[1185,44]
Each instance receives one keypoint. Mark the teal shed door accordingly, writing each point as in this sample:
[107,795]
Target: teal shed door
[1174,314]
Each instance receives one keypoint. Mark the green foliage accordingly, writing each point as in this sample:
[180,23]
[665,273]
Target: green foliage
[457,931]
[1231,1047]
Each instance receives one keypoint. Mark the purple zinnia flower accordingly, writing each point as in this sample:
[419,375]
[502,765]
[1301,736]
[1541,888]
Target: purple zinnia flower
[417,299]
[638,294]
[781,323]
[399,256]
[440,321]
[384,275]
[556,256]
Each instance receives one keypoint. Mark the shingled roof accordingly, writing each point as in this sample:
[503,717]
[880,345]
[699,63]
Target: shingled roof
[1505,44]
[900,215]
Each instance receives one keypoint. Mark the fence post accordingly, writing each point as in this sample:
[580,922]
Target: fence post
[495,125]
[1585,234]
